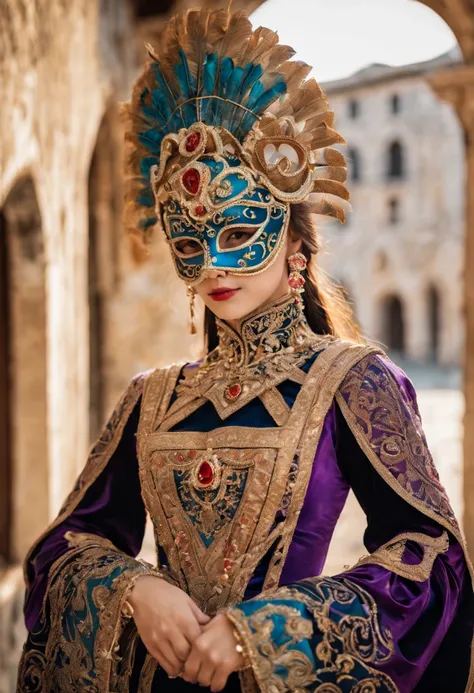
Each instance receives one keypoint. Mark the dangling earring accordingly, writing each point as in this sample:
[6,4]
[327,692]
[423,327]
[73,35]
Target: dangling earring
[297,264]
[192,321]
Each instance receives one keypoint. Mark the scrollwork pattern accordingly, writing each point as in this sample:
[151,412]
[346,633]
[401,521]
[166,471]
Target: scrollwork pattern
[320,635]
[76,644]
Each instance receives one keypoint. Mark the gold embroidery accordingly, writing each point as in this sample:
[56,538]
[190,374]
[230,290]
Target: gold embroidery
[390,555]
[389,431]
[269,349]
[214,539]
[91,586]
[321,384]
[98,458]
[354,639]
[276,406]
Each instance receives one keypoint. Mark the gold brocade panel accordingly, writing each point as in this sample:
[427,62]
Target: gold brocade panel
[214,497]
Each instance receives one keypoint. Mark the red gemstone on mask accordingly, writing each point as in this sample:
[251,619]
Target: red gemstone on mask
[227,564]
[205,474]
[199,210]
[191,180]
[296,282]
[192,141]
[233,391]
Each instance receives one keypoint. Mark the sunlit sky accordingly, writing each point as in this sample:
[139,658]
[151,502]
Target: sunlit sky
[338,37]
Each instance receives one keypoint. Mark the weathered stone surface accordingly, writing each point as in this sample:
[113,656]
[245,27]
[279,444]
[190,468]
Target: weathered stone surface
[376,259]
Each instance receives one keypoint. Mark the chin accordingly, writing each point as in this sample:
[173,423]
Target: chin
[226,311]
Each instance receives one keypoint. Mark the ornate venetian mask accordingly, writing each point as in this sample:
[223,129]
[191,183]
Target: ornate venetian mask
[211,194]
[225,131]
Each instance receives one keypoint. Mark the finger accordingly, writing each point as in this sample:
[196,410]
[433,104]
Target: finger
[219,680]
[164,663]
[181,646]
[201,617]
[206,673]
[192,666]
[191,630]
[173,664]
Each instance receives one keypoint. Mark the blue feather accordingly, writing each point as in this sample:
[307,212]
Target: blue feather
[161,104]
[209,72]
[187,84]
[146,223]
[145,165]
[146,197]
[252,73]
[151,139]
[260,105]
[166,91]
[231,92]
[153,116]
[255,93]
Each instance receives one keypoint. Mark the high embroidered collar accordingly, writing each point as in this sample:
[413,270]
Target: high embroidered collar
[277,327]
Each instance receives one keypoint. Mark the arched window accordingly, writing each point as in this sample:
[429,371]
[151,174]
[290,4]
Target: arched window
[354,163]
[394,210]
[104,220]
[24,473]
[354,109]
[395,104]
[393,324]
[434,309]
[395,167]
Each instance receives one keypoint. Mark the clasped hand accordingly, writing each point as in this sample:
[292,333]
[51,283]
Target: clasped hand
[182,639]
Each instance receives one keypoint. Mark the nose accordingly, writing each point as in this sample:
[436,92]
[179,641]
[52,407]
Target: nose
[214,273]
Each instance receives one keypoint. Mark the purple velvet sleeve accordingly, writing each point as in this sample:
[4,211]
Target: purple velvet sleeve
[111,508]
[427,618]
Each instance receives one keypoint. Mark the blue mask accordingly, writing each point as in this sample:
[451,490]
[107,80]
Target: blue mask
[215,197]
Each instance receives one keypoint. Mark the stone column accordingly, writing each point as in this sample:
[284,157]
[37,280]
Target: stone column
[457,87]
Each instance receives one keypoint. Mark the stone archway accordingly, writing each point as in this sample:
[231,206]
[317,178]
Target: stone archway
[393,323]
[105,227]
[433,301]
[23,362]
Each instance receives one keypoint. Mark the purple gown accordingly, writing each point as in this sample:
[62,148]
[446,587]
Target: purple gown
[400,620]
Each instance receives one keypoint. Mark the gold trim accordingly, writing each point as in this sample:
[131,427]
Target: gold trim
[275,404]
[414,502]
[322,381]
[98,459]
[390,555]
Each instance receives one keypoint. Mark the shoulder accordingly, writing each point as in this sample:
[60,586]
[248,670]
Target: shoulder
[375,375]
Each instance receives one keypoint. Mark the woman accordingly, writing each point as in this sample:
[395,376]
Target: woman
[244,460]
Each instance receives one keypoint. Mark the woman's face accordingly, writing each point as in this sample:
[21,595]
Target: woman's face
[231,297]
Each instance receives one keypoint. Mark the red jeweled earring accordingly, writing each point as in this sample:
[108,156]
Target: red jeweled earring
[297,264]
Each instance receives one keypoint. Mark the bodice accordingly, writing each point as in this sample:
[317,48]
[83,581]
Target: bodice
[226,499]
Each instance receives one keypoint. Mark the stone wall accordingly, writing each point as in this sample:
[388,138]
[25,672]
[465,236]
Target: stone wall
[423,250]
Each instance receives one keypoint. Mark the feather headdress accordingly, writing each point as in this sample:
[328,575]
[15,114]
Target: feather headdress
[214,74]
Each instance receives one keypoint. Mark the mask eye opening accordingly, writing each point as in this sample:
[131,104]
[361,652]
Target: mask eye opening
[186,256]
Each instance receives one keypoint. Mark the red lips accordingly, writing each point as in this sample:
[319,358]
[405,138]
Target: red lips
[222,293]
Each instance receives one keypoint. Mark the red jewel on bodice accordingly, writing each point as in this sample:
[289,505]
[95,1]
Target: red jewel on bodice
[199,210]
[191,180]
[233,391]
[205,474]
[192,141]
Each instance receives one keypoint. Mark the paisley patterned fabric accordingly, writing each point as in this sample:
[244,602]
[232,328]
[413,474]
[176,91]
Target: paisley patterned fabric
[388,428]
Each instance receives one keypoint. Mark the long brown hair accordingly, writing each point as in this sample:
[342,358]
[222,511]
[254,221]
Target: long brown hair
[325,305]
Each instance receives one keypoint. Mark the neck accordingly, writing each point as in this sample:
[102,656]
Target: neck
[273,328]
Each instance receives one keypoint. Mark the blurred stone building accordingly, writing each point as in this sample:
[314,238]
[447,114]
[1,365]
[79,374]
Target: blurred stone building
[400,256]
